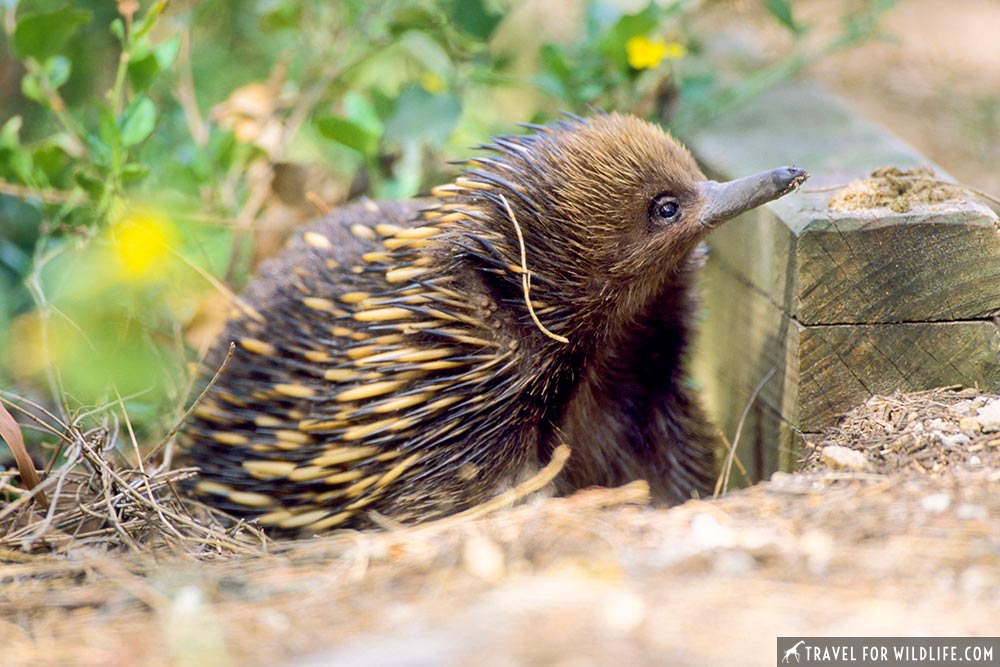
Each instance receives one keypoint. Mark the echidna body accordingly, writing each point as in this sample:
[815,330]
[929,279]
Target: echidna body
[388,361]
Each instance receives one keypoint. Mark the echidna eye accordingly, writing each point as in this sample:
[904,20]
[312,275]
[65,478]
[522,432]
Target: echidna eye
[664,208]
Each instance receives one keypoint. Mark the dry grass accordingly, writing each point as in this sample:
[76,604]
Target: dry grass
[99,497]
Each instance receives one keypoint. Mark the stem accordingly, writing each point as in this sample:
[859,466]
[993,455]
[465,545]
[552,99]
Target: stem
[186,93]
[117,94]
[46,196]
[34,285]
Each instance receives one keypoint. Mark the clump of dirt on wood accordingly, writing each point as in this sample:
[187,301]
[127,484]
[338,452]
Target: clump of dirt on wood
[899,190]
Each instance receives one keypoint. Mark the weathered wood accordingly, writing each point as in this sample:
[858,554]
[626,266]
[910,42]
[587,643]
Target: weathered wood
[928,267]
[747,341]
[848,363]
[841,304]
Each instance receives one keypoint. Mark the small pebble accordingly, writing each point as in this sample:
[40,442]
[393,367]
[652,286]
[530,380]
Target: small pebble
[988,416]
[935,503]
[977,580]
[708,533]
[818,547]
[780,477]
[624,611]
[734,563]
[954,440]
[970,512]
[969,424]
[961,408]
[842,458]
[275,620]
[483,557]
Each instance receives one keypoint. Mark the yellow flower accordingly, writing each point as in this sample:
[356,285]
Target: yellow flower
[432,83]
[142,242]
[646,53]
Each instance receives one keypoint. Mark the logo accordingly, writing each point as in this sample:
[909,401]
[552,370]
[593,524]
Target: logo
[794,651]
[896,651]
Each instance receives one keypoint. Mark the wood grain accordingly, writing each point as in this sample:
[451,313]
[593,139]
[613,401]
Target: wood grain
[937,267]
[841,366]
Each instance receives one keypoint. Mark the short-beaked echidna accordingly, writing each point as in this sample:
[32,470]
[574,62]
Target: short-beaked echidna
[388,361]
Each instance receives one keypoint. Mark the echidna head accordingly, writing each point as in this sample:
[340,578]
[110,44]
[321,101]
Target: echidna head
[609,207]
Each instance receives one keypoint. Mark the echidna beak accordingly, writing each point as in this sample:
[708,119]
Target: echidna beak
[723,201]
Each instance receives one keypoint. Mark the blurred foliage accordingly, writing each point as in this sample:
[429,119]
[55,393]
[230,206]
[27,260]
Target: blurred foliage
[143,145]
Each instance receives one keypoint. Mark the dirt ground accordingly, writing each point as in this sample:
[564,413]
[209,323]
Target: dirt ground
[892,527]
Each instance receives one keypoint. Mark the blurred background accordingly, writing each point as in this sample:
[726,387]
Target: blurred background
[152,153]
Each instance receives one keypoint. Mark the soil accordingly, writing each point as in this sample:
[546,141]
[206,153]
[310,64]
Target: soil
[899,190]
[891,528]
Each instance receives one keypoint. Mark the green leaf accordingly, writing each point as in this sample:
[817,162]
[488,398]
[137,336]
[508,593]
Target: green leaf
[473,17]
[422,48]
[41,35]
[140,48]
[555,64]
[18,162]
[383,104]
[281,16]
[166,52]
[139,121]
[413,18]
[57,70]
[51,162]
[782,11]
[31,88]
[348,133]
[407,174]
[554,60]
[109,133]
[118,30]
[555,76]
[142,72]
[67,143]
[10,133]
[222,149]
[134,172]
[360,110]
[422,117]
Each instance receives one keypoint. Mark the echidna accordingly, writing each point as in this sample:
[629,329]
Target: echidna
[416,358]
